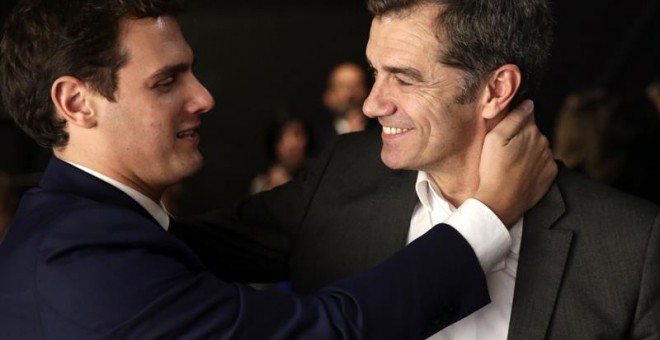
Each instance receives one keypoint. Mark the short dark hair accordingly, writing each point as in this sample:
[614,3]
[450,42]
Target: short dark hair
[482,35]
[46,39]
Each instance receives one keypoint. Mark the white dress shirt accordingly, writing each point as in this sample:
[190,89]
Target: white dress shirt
[156,210]
[492,321]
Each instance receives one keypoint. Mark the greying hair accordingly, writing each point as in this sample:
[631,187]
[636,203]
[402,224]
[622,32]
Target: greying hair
[482,35]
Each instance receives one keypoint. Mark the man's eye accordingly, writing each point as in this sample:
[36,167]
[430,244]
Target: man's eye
[401,81]
[165,82]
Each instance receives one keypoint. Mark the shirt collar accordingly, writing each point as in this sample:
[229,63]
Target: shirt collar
[432,200]
[157,211]
[427,195]
[341,126]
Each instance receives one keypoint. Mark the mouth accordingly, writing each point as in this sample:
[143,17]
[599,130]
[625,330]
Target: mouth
[186,134]
[189,134]
[388,130]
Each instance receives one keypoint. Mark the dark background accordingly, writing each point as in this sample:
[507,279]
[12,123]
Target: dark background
[258,58]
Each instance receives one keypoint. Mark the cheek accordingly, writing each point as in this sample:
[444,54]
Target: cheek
[152,131]
[438,127]
[160,118]
[158,125]
[428,120]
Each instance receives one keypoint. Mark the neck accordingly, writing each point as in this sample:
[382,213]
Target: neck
[458,184]
[458,179]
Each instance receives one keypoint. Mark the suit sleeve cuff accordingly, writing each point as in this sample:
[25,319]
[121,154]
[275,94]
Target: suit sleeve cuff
[484,231]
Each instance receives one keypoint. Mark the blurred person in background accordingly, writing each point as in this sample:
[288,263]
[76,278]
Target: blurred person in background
[586,139]
[288,144]
[613,138]
[641,175]
[653,94]
[345,92]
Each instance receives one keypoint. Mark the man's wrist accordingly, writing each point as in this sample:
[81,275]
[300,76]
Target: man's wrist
[483,230]
[493,202]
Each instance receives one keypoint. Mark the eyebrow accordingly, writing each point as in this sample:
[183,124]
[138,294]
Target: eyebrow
[171,69]
[406,71]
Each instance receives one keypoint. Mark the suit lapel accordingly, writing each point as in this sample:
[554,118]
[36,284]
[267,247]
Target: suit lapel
[396,204]
[63,177]
[543,254]
[389,206]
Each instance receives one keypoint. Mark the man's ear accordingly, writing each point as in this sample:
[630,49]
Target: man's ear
[71,98]
[502,86]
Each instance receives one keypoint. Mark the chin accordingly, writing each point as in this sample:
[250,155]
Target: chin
[391,162]
[192,166]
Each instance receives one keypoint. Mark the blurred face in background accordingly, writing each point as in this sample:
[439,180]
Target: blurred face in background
[347,89]
[653,93]
[291,146]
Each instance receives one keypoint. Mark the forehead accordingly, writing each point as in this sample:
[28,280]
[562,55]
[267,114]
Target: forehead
[409,34]
[347,73]
[151,43]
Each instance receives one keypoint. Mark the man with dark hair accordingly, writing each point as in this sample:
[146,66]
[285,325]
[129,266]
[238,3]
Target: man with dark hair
[583,264]
[108,85]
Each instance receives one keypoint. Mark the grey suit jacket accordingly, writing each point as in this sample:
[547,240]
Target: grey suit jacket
[589,265]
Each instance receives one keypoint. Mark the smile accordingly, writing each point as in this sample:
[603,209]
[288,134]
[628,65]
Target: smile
[186,134]
[394,131]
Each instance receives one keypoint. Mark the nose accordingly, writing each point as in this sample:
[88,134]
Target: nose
[202,100]
[378,103]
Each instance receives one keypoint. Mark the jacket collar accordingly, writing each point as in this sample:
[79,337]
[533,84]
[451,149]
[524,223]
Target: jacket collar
[63,177]
[543,255]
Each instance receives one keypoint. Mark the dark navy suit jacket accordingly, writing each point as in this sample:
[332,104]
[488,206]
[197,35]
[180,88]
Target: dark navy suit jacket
[82,260]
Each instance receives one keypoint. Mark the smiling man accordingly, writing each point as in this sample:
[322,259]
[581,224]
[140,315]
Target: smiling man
[582,264]
[108,86]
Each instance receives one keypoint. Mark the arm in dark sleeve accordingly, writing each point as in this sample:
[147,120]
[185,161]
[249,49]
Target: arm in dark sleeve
[134,287]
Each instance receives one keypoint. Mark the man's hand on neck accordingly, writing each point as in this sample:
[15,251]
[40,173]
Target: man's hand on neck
[516,166]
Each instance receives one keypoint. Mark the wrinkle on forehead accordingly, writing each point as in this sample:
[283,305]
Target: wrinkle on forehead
[399,37]
[431,18]
[411,42]
[404,43]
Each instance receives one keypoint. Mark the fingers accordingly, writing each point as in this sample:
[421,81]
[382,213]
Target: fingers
[530,108]
[514,122]
[546,164]
[516,166]
[545,170]
[518,117]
